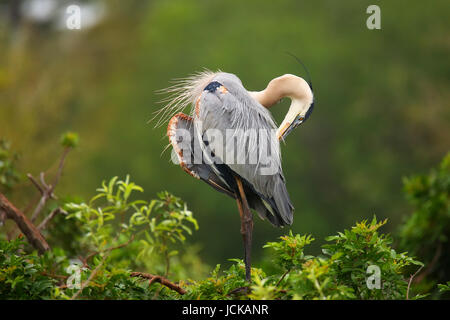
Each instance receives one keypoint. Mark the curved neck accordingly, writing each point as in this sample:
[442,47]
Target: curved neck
[290,86]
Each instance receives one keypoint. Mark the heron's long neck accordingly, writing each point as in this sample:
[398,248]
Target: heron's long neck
[288,85]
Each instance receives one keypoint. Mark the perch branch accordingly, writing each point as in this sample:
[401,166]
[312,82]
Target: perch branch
[154,278]
[46,193]
[28,229]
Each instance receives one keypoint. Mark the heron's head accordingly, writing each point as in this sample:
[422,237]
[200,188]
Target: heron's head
[226,81]
[300,93]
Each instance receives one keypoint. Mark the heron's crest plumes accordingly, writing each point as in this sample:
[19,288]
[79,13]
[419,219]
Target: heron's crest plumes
[181,94]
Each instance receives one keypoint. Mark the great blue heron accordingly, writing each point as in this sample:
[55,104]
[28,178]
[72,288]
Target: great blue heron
[229,122]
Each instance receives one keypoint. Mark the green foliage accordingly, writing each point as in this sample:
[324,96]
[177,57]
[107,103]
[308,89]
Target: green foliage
[117,234]
[444,287]
[219,286]
[29,276]
[22,275]
[362,246]
[158,225]
[430,196]
[342,272]
[317,280]
[426,232]
[289,251]
[8,173]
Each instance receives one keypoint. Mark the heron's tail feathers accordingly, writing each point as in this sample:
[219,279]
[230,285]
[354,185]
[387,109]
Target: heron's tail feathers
[284,207]
[278,209]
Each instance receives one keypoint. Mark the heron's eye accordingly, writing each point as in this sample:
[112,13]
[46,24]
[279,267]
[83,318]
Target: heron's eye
[212,86]
[301,118]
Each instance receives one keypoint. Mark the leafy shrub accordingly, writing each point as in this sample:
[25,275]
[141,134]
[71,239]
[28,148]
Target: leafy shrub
[341,273]
[108,222]
[22,275]
[29,276]
[362,246]
[157,225]
[426,232]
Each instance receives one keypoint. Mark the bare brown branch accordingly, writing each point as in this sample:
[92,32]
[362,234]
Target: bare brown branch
[28,229]
[36,184]
[155,278]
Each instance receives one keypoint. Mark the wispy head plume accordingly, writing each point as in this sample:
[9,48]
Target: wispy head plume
[181,94]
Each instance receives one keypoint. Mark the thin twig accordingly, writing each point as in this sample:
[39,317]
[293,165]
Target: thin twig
[46,194]
[282,277]
[45,189]
[52,214]
[160,279]
[36,184]
[56,276]
[60,167]
[410,281]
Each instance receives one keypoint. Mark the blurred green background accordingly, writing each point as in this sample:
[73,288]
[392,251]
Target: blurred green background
[381,108]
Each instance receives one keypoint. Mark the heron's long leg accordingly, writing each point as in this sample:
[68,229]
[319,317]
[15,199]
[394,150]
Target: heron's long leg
[246,227]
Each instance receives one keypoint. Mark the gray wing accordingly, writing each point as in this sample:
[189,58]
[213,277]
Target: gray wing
[219,176]
[180,132]
[249,147]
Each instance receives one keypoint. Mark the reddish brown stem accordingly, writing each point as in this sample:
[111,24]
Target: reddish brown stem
[162,280]
[28,229]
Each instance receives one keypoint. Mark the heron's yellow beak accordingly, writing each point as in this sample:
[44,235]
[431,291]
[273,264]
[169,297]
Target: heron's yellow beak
[288,125]
[282,129]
